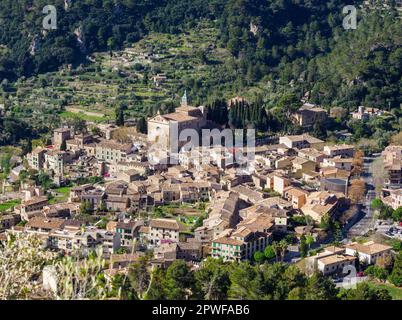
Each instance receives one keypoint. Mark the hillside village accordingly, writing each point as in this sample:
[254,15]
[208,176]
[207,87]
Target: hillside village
[304,198]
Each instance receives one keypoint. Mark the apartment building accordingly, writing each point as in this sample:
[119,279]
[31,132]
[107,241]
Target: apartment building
[301,165]
[8,220]
[56,160]
[312,155]
[29,207]
[341,150]
[364,113]
[368,252]
[163,231]
[112,151]
[309,114]
[296,196]
[301,142]
[240,244]
[392,157]
[128,230]
[338,162]
[36,158]
[60,135]
[396,198]
[94,197]
[321,203]
[224,214]
[252,234]
[335,263]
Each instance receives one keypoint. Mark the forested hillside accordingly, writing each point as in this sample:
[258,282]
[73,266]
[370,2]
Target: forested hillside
[363,67]
[289,40]
[83,27]
[273,52]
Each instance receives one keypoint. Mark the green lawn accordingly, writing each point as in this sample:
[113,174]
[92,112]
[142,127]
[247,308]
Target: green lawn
[64,193]
[9,204]
[395,292]
[82,116]
[63,190]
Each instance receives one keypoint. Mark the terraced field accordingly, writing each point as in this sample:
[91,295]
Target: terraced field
[8,205]
[191,61]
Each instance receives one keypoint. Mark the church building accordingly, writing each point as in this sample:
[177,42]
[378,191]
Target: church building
[161,127]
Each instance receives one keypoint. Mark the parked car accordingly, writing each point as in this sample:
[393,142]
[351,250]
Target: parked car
[360,274]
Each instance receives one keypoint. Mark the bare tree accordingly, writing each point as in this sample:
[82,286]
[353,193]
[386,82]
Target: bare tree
[380,175]
[396,139]
[358,163]
[357,190]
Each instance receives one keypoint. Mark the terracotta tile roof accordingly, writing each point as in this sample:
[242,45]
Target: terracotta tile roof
[332,259]
[125,225]
[109,144]
[297,192]
[34,201]
[45,223]
[369,247]
[179,117]
[164,224]
[300,161]
[260,222]
[334,249]
[82,187]
[190,245]
[117,199]
[143,229]
[242,231]
[339,147]
[228,240]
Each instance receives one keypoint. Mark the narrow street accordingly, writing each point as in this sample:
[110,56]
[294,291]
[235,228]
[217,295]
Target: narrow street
[366,221]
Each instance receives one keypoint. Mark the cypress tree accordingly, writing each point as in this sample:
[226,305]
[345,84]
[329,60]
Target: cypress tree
[142,126]
[120,117]
[63,145]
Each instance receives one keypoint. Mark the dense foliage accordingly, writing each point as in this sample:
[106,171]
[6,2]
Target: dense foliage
[24,259]
[82,27]
[299,42]
[282,49]
[241,281]
[12,130]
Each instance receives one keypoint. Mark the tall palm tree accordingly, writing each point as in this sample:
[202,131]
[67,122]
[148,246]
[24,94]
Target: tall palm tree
[309,240]
[283,247]
[276,247]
